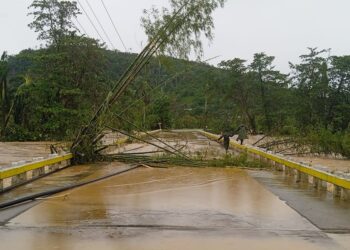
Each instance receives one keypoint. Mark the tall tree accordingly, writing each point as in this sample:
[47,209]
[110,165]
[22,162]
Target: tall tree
[53,19]
[310,78]
[266,76]
[61,84]
[338,115]
[65,81]
[196,21]
[241,90]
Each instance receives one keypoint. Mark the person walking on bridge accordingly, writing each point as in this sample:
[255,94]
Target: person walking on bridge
[242,133]
[226,137]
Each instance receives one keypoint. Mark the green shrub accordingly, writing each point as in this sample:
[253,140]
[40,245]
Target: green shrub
[346,145]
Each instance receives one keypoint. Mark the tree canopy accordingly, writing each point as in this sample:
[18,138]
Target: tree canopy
[196,22]
[53,19]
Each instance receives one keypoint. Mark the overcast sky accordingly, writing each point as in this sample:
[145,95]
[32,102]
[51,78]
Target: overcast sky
[282,28]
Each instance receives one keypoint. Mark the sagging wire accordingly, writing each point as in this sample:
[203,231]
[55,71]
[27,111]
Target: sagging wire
[128,76]
[152,136]
[145,141]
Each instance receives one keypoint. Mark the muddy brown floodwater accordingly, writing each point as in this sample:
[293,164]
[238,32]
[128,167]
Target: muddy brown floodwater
[174,208]
[19,151]
[331,163]
[190,143]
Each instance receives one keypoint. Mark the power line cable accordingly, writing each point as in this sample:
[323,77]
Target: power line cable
[114,26]
[152,136]
[145,141]
[99,23]
[91,22]
[89,131]
[163,83]
[80,25]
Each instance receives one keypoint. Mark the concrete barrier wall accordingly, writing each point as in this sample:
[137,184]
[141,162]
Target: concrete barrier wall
[26,172]
[338,186]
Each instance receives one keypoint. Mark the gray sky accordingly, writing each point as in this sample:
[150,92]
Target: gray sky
[282,28]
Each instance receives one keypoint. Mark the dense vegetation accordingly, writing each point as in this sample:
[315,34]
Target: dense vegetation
[51,92]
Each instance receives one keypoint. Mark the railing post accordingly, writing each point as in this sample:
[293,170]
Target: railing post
[336,191]
[345,194]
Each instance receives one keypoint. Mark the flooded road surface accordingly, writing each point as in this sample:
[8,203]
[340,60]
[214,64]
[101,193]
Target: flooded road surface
[63,178]
[174,208]
[327,213]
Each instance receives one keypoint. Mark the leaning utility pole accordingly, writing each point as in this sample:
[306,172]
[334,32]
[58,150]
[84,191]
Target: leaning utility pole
[85,146]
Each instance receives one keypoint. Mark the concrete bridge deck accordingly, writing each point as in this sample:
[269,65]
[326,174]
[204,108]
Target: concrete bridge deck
[176,208]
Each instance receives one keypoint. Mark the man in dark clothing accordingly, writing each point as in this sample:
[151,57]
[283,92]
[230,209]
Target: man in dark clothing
[226,137]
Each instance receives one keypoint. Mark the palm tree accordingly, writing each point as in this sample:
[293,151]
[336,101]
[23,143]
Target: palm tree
[4,69]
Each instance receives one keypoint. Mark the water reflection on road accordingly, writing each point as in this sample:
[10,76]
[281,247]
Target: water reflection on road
[174,208]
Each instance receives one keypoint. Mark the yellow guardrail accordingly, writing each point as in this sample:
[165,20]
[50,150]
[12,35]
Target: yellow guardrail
[330,178]
[6,173]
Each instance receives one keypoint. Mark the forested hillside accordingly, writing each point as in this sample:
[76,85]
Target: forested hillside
[50,93]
